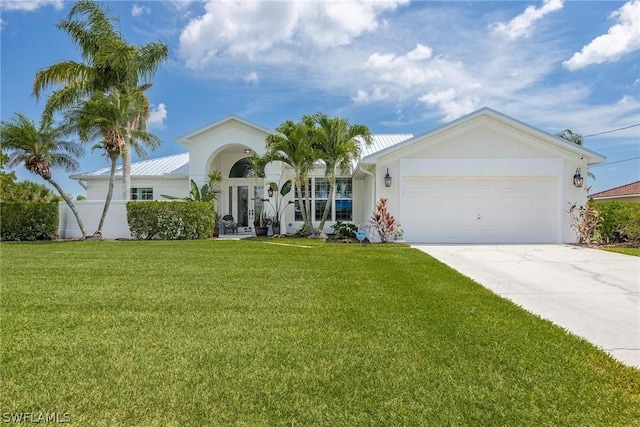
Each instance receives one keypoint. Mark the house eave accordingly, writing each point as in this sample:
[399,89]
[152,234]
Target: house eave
[185,139]
[592,157]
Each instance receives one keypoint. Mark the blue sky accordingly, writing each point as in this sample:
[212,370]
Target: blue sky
[395,66]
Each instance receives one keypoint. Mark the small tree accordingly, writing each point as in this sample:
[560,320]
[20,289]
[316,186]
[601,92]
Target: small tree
[383,222]
[585,220]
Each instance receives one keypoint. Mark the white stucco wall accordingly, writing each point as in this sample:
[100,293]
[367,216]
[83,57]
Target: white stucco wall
[115,226]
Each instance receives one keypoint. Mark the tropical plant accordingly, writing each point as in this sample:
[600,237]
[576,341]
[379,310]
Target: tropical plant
[109,63]
[279,193]
[197,194]
[584,220]
[383,222]
[106,118]
[338,144]
[40,149]
[344,229]
[294,144]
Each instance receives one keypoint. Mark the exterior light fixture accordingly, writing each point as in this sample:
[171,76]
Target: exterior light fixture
[270,192]
[248,151]
[578,180]
[387,179]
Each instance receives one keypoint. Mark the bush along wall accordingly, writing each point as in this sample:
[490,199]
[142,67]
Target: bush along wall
[28,220]
[619,222]
[171,220]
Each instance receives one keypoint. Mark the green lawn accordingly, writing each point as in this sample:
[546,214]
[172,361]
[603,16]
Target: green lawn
[626,251]
[249,333]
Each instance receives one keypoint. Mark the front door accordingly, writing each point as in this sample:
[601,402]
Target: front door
[244,201]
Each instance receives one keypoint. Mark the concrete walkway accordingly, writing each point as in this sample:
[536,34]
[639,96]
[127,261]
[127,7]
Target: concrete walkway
[592,293]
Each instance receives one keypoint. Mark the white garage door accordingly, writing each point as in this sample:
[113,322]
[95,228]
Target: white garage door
[479,210]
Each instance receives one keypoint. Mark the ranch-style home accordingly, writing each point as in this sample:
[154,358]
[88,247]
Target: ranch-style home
[483,178]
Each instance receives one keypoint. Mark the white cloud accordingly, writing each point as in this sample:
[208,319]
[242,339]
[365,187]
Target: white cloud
[157,116]
[449,103]
[522,25]
[140,10]
[622,38]
[252,78]
[364,97]
[250,28]
[406,70]
[29,6]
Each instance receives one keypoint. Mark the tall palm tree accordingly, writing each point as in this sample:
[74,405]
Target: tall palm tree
[40,149]
[107,119]
[294,144]
[109,63]
[338,146]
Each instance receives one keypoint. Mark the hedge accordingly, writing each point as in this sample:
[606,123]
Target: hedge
[171,220]
[28,220]
[619,222]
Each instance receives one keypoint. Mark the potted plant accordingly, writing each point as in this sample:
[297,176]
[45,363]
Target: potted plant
[261,224]
[278,194]
[216,225]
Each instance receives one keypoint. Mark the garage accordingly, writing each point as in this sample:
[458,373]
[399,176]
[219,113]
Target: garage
[480,209]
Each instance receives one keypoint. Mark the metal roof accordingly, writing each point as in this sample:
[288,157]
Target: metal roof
[178,164]
[380,142]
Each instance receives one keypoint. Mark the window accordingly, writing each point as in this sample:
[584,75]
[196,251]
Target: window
[342,208]
[143,193]
[344,199]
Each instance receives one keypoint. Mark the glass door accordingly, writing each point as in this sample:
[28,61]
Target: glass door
[245,203]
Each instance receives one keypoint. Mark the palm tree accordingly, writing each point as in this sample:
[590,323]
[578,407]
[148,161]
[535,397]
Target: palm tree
[107,118]
[338,145]
[40,150]
[109,63]
[294,144]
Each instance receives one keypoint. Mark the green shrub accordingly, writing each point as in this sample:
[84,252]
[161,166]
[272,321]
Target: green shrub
[619,222]
[28,220]
[344,230]
[171,220]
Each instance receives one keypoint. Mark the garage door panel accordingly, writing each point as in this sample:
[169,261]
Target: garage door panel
[479,209]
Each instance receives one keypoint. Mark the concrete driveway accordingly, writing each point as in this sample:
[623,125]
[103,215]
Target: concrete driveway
[592,293]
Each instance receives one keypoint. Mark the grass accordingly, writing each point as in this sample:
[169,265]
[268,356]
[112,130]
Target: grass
[626,251]
[252,334]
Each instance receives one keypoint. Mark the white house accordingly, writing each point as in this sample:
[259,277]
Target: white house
[483,178]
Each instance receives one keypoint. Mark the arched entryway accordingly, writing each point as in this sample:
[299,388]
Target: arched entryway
[243,195]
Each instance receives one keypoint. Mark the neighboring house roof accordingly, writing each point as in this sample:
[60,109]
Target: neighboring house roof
[176,165]
[592,156]
[628,190]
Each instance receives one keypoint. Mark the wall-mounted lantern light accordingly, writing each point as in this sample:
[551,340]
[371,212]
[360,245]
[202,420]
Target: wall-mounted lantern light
[270,192]
[578,180]
[387,179]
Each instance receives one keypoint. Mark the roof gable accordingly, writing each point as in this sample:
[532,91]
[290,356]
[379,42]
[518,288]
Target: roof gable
[185,139]
[499,118]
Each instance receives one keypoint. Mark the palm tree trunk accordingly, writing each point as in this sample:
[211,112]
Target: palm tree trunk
[327,207]
[126,170]
[107,202]
[71,206]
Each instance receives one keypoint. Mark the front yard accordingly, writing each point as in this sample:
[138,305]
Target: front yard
[253,333]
